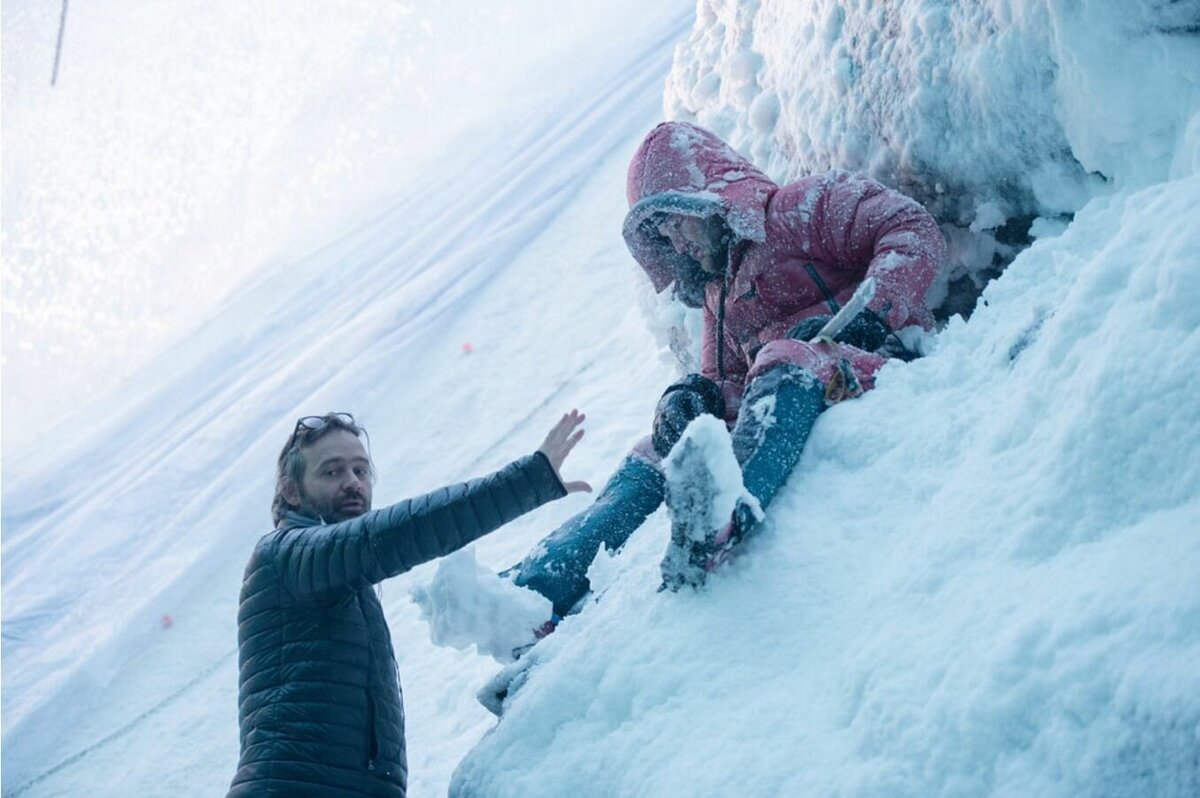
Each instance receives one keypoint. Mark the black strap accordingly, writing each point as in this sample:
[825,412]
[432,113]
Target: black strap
[834,307]
[721,317]
[721,331]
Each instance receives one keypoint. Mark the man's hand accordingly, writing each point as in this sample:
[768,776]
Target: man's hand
[559,443]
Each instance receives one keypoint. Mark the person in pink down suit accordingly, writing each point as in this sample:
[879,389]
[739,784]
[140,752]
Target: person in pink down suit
[769,265]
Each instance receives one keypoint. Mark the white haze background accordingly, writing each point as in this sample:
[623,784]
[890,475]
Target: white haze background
[981,579]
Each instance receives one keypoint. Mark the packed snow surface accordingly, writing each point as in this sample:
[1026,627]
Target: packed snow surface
[980,580]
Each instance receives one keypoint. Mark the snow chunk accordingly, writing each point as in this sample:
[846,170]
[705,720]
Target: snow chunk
[764,113]
[1046,228]
[465,604]
[988,216]
[709,435]
[604,570]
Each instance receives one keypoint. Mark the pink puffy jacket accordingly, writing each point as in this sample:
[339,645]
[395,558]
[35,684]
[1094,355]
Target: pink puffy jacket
[798,251]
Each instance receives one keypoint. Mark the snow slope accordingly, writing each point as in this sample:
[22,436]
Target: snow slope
[980,580]
[187,144]
[152,506]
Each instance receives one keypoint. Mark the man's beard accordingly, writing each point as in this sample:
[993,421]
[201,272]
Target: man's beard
[332,511]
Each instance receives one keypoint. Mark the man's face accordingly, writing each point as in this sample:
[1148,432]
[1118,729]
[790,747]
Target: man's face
[337,478]
[698,238]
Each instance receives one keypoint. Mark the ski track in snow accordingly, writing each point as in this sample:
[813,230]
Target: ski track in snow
[85,570]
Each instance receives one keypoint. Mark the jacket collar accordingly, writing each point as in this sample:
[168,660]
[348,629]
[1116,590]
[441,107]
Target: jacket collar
[293,519]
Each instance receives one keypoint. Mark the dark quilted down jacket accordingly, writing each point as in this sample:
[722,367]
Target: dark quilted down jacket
[319,694]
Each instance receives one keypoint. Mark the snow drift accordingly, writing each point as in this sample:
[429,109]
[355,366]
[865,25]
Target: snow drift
[979,581]
[981,578]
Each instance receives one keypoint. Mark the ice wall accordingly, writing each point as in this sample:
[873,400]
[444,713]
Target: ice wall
[985,111]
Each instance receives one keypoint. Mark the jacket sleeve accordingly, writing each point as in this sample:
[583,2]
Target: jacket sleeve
[319,562]
[858,221]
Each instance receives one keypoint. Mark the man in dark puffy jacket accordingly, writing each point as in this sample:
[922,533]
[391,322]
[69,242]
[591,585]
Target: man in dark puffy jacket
[319,700]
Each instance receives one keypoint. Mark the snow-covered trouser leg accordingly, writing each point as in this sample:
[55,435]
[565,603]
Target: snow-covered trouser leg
[557,567]
[777,414]
[791,382]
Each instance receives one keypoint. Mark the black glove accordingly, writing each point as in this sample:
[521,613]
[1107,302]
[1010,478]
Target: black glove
[693,396]
[808,328]
[867,330]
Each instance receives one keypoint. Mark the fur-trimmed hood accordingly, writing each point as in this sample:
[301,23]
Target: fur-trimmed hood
[683,169]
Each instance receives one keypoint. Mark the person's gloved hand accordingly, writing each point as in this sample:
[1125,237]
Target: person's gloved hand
[693,396]
[867,331]
[807,329]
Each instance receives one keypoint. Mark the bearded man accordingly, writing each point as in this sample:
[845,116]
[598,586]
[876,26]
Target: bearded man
[319,701]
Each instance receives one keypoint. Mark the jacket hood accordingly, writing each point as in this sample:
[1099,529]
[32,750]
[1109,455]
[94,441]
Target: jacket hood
[683,169]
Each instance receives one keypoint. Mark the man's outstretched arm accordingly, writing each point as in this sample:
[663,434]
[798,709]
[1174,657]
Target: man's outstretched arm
[323,561]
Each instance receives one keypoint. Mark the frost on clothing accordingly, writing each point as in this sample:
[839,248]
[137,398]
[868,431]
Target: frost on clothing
[798,251]
[319,699]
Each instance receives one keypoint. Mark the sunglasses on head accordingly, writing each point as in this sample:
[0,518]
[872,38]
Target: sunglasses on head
[309,424]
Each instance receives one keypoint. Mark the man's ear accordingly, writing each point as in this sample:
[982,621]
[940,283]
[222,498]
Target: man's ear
[291,492]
